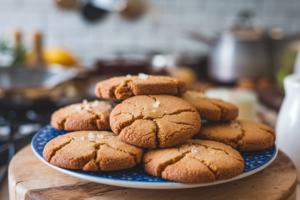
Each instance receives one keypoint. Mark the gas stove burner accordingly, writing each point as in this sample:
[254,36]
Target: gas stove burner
[17,127]
[31,115]
[4,131]
[2,120]
[26,129]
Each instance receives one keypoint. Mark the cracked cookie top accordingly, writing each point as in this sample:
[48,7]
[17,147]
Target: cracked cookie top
[243,135]
[91,151]
[83,116]
[155,121]
[194,161]
[126,86]
[209,108]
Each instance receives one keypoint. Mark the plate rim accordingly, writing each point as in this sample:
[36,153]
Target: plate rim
[145,184]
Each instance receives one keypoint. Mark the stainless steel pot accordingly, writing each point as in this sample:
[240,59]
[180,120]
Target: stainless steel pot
[23,87]
[233,58]
[244,50]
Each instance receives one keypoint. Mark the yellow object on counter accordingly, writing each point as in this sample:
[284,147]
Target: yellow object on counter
[57,56]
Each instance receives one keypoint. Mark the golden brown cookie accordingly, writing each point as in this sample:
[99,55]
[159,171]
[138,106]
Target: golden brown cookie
[211,109]
[155,121]
[91,151]
[83,116]
[126,86]
[243,135]
[194,161]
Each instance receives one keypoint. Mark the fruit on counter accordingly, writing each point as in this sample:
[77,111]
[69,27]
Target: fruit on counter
[58,56]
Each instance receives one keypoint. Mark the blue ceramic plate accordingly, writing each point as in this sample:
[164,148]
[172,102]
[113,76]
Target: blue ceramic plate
[136,177]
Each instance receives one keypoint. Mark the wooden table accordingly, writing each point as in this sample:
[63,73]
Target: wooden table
[29,178]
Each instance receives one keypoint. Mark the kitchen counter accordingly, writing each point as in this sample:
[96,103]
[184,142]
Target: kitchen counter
[29,178]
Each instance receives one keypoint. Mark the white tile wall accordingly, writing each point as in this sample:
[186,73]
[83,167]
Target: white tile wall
[161,29]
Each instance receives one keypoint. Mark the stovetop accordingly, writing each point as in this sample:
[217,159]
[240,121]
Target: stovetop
[17,127]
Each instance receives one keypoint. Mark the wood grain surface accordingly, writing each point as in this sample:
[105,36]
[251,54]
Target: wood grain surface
[29,179]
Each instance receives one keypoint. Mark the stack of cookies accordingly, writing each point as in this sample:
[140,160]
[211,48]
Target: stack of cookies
[158,124]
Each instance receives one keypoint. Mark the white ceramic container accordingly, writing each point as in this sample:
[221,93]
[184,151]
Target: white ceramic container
[288,122]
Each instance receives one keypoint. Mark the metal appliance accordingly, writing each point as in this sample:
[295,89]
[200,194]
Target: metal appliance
[245,49]
[25,87]
[17,126]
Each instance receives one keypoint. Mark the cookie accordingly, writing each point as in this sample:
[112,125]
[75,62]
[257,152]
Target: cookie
[211,109]
[155,121]
[91,151]
[83,116]
[126,86]
[243,135]
[194,161]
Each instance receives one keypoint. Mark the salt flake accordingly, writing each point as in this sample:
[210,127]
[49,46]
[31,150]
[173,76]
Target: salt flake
[235,125]
[84,101]
[108,106]
[100,136]
[91,135]
[95,103]
[143,76]
[82,138]
[153,110]
[156,104]
[78,108]
[128,75]
[87,107]
[194,151]
[165,111]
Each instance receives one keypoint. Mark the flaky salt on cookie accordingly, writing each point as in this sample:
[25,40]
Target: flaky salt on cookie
[194,161]
[155,121]
[83,116]
[91,151]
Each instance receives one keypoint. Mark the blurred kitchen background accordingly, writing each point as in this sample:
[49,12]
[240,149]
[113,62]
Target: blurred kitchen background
[161,28]
[53,52]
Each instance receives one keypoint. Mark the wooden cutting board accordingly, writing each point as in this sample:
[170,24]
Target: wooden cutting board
[29,179]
